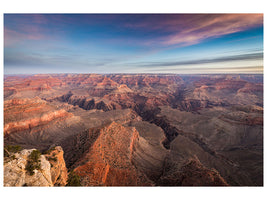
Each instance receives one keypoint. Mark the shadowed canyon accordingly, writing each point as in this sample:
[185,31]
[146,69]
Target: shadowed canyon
[134,129]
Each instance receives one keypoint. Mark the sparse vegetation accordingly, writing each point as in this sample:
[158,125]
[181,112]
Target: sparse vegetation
[33,162]
[73,179]
[13,148]
[52,159]
[35,155]
[6,153]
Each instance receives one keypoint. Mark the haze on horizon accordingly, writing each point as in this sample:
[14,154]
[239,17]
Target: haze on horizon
[133,43]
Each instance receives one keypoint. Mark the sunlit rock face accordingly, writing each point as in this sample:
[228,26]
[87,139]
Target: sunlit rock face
[109,161]
[138,129]
[59,172]
[15,173]
[52,170]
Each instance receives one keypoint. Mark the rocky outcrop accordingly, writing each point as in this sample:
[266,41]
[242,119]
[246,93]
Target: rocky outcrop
[108,161]
[222,127]
[230,84]
[192,105]
[251,88]
[90,103]
[193,173]
[51,171]
[59,172]
[107,82]
[15,173]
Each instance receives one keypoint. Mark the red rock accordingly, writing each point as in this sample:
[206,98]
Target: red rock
[109,160]
[23,114]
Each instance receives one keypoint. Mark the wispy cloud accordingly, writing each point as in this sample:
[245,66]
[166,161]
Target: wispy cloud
[241,57]
[214,70]
[112,40]
[12,37]
[184,30]
[21,27]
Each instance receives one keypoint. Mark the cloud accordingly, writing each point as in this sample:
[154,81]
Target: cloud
[214,70]
[146,30]
[214,27]
[242,57]
[189,29]
[21,27]
[12,37]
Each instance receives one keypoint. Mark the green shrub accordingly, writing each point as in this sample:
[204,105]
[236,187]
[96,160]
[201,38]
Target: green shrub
[32,166]
[52,159]
[6,153]
[33,162]
[73,179]
[35,155]
[13,148]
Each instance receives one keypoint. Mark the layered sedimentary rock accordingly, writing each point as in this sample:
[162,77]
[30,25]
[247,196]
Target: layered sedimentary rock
[108,161]
[164,129]
[24,114]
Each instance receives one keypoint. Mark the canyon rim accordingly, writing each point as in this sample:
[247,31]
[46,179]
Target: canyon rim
[133,100]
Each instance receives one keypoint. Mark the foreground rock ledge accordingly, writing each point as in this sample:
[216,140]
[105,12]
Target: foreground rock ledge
[51,173]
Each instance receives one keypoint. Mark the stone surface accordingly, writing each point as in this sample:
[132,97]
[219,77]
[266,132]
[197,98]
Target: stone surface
[212,121]
[15,173]
[109,160]
[59,172]
[52,172]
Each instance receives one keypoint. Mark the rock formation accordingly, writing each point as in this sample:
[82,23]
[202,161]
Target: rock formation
[50,170]
[59,172]
[108,161]
[136,129]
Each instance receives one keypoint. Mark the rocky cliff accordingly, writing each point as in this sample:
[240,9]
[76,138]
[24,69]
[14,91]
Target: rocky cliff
[138,129]
[109,160]
[29,168]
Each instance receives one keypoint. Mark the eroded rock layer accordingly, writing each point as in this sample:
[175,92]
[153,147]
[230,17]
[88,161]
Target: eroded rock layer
[138,129]
[109,160]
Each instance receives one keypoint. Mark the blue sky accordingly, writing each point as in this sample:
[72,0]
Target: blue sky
[133,43]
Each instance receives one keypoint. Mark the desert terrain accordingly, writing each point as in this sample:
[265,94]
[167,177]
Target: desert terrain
[134,129]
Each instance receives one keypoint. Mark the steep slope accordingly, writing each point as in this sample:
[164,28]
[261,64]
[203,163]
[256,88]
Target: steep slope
[149,154]
[217,141]
[192,173]
[109,160]
[209,126]
[59,172]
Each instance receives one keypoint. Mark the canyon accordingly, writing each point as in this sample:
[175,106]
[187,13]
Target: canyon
[135,129]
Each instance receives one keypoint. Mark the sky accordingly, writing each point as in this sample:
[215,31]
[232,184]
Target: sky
[133,43]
